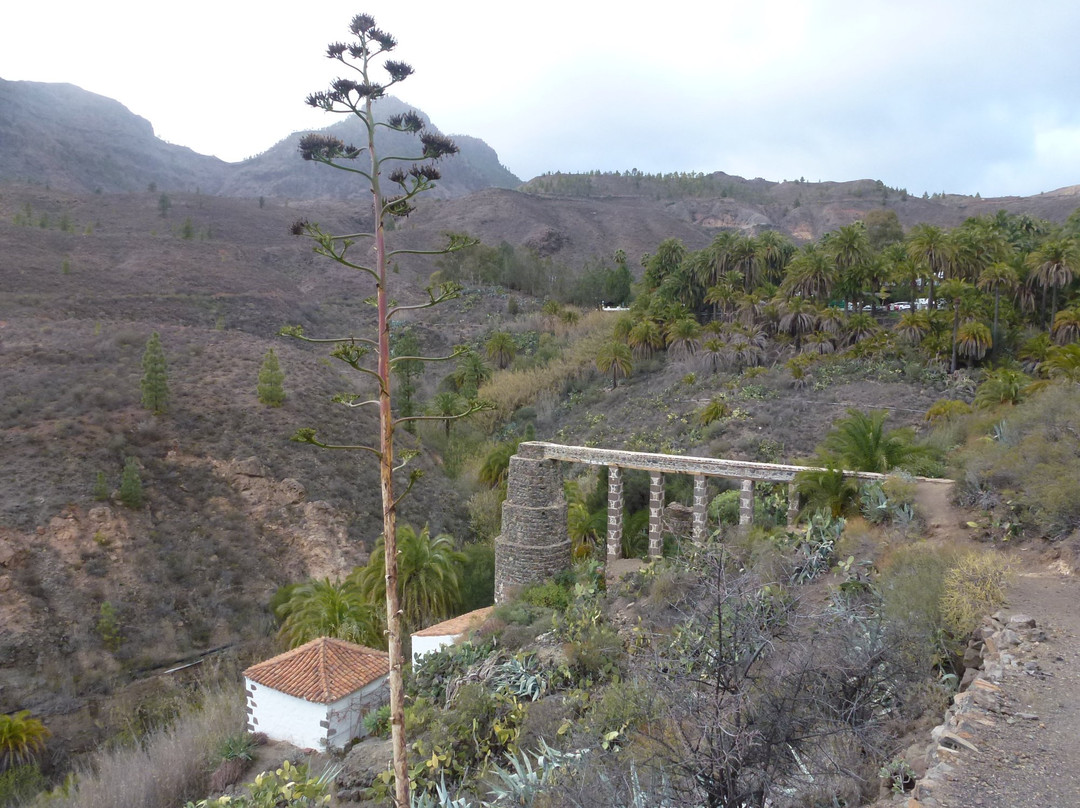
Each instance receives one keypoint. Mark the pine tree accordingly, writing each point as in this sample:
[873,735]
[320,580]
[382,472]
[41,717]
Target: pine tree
[155,381]
[271,390]
[131,492]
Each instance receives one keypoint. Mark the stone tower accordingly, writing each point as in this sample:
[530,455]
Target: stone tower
[534,544]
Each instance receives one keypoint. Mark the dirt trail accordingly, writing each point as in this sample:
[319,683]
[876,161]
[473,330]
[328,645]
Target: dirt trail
[1028,755]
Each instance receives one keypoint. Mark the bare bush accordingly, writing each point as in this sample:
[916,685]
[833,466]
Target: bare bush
[167,767]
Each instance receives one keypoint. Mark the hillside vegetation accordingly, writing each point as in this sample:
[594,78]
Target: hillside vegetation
[133,537]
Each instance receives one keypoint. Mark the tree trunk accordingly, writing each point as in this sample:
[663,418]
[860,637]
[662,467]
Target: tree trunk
[386,466]
[955,331]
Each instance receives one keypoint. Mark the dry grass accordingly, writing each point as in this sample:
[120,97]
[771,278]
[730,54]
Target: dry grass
[510,389]
[168,767]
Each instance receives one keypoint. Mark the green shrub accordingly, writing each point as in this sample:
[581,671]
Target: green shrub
[911,586]
[19,784]
[288,787]
[724,508]
[377,722]
[238,747]
[101,487]
[108,627]
[596,655]
[549,595]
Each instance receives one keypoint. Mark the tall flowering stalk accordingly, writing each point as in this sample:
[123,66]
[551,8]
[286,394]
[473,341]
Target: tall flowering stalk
[410,176]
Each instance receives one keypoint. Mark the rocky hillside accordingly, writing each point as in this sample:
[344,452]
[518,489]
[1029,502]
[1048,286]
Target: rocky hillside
[232,508]
[803,210]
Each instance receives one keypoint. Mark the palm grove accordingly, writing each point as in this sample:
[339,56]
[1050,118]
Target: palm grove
[997,291]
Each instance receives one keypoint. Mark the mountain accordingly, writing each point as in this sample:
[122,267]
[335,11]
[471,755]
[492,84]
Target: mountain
[73,140]
[279,172]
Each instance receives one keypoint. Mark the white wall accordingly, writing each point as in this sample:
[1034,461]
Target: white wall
[285,718]
[346,716]
[428,645]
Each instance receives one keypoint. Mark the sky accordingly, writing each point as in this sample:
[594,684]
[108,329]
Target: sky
[944,96]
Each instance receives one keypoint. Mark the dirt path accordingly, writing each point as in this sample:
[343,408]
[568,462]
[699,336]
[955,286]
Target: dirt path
[1028,750]
[1029,755]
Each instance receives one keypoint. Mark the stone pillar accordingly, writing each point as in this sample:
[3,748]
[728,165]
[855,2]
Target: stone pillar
[614,513]
[656,514]
[534,544]
[792,504]
[746,503]
[701,508]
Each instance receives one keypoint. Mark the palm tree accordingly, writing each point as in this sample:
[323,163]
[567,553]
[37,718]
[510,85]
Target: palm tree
[798,317]
[1062,363]
[665,261]
[322,608]
[712,354]
[997,278]
[716,409]
[446,406]
[682,337]
[471,372]
[1001,386]
[774,250]
[1034,352]
[827,489]
[551,311]
[810,274]
[903,270]
[645,338]
[1066,326]
[1053,266]
[849,250]
[930,246]
[818,342]
[742,255]
[496,465]
[501,349]
[429,576]
[860,326]
[584,528]
[615,358]
[722,297]
[859,442]
[973,340]
[22,739]
[955,290]
[913,326]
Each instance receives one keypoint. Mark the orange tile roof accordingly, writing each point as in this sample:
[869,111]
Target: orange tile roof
[456,625]
[321,671]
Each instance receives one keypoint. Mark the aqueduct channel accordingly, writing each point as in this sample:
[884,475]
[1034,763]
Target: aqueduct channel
[534,543]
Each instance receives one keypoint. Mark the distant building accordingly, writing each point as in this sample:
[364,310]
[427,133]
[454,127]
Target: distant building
[432,638]
[315,696]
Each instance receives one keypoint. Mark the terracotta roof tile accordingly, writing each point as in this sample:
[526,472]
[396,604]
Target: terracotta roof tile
[321,671]
[456,625]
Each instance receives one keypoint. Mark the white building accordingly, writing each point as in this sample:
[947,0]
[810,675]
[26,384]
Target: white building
[315,696]
[432,638]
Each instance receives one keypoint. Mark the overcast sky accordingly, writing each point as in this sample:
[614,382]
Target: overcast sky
[948,95]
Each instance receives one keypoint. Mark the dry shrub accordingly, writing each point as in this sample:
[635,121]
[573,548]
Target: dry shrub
[229,773]
[168,767]
[973,588]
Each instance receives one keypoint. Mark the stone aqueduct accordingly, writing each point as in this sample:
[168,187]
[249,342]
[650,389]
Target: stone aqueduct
[534,543]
